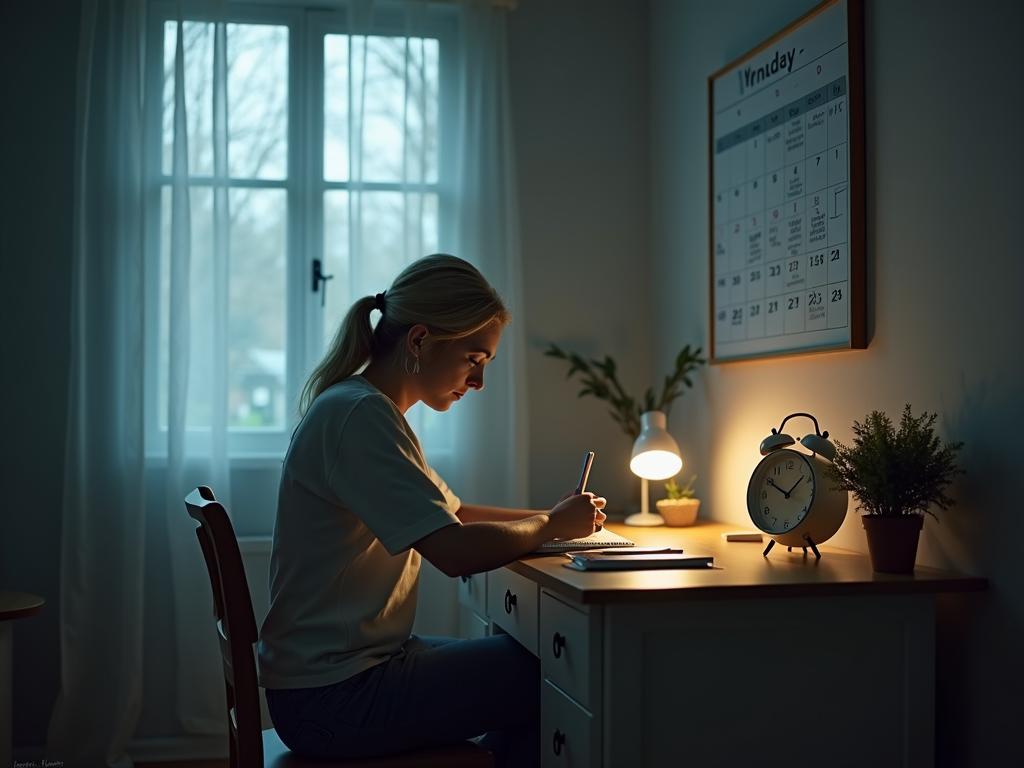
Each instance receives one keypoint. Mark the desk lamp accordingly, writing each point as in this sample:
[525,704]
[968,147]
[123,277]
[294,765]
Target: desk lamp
[655,457]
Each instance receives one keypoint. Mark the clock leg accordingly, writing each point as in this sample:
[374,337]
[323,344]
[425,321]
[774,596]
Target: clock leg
[771,543]
[810,543]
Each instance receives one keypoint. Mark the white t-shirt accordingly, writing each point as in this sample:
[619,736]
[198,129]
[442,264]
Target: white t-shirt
[355,494]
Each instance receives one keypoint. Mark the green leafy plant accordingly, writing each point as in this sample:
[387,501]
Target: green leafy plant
[675,492]
[897,472]
[600,380]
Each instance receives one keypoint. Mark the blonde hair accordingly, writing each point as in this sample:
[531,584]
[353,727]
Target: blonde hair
[445,293]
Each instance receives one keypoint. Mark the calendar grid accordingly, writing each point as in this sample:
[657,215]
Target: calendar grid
[781,201]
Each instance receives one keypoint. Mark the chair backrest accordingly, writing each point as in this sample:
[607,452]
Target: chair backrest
[236,625]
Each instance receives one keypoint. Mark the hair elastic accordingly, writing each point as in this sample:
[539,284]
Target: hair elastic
[379,301]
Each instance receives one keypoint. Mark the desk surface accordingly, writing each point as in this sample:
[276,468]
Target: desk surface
[740,572]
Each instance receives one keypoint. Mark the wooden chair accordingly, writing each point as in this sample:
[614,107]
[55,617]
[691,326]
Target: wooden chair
[236,628]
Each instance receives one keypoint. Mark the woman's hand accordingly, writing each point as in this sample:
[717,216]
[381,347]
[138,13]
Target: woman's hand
[576,516]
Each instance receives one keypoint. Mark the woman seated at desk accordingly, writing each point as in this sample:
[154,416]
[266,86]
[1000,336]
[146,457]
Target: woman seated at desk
[357,508]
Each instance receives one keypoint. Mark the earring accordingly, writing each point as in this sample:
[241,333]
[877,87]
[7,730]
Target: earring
[415,365]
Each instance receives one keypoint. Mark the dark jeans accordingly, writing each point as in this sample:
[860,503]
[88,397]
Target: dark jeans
[434,691]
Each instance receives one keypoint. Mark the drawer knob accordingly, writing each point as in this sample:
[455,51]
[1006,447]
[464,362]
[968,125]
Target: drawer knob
[557,644]
[510,600]
[557,742]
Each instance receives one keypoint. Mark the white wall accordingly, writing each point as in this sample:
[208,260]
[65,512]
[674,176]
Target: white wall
[944,275]
[578,71]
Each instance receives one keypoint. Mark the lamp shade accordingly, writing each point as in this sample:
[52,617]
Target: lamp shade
[655,452]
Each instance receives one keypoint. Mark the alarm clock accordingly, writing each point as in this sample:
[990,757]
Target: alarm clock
[789,497]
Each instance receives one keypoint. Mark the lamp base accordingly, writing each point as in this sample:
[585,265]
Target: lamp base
[645,518]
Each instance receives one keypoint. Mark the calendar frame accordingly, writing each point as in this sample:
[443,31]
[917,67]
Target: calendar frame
[856,231]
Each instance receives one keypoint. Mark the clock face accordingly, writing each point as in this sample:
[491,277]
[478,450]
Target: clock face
[781,491]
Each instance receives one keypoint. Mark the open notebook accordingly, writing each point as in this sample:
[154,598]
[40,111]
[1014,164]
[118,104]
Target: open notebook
[598,540]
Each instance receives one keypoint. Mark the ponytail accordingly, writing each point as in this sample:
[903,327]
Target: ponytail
[349,350]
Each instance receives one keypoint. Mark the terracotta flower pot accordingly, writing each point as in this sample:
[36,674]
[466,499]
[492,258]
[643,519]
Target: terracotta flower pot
[678,512]
[892,542]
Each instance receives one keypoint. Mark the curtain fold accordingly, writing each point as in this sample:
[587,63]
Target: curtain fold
[103,525]
[197,328]
[493,425]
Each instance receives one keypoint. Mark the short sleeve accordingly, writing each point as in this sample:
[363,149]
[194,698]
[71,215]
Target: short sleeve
[454,503]
[380,474]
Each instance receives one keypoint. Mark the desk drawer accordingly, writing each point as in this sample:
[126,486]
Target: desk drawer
[512,605]
[473,592]
[568,734]
[569,650]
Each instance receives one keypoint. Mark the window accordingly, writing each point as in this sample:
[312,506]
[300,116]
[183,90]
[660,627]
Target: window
[306,145]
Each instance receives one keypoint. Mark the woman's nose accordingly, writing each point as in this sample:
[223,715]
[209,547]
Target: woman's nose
[476,379]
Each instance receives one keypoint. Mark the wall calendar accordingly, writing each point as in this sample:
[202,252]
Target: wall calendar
[788,191]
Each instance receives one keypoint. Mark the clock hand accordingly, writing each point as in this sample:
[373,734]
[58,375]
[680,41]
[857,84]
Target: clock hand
[773,485]
[794,486]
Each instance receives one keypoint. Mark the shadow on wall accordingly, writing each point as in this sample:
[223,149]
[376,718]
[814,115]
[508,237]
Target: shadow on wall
[970,536]
[978,633]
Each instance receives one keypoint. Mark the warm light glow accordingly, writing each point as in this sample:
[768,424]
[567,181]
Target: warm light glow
[655,452]
[656,465]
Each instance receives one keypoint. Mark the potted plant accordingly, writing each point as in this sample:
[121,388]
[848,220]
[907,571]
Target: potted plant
[600,380]
[897,476]
[680,508]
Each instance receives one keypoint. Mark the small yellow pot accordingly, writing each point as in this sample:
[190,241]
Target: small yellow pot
[678,512]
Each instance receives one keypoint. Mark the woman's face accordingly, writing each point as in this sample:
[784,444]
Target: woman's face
[449,370]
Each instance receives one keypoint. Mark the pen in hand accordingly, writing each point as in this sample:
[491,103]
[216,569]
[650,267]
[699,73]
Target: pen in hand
[588,460]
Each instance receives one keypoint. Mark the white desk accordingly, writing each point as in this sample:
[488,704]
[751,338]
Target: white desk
[777,661]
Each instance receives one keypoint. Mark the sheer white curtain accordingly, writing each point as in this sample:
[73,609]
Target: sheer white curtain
[479,446]
[491,466]
[102,537]
[197,321]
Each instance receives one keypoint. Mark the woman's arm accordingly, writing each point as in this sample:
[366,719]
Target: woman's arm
[473,547]
[474,513]
[477,513]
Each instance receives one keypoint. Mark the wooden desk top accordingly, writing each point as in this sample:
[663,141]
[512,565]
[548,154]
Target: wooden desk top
[740,572]
[18,605]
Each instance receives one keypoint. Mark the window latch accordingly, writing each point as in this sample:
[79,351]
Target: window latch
[320,277]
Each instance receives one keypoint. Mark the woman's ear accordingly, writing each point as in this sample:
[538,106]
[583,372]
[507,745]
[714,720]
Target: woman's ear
[415,338]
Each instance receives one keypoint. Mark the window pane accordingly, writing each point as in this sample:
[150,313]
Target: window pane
[256,307]
[198,52]
[200,358]
[336,107]
[394,229]
[257,60]
[395,83]
[256,395]
[336,261]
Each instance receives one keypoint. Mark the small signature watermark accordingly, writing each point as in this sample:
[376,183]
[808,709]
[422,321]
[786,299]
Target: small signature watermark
[39,763]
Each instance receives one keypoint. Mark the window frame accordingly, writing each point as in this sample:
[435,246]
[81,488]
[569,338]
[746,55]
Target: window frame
[304,187]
